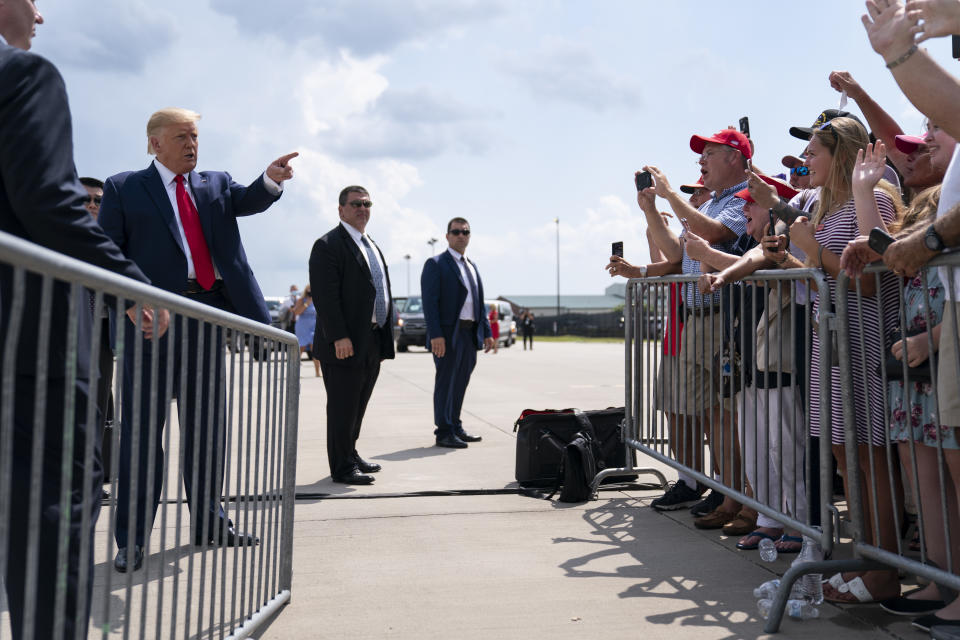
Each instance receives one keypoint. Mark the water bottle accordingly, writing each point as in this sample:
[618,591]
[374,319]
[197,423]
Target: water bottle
[811,584]
[768,550]
[801,610]
[763,606]
[768,590]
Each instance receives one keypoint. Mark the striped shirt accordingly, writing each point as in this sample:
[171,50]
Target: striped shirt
[728,209]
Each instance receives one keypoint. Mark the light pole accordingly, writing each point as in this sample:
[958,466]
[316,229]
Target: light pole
[407,258]
[431,242]
[556,323]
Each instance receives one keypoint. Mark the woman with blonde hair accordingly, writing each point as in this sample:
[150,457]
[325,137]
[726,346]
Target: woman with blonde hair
[847,168]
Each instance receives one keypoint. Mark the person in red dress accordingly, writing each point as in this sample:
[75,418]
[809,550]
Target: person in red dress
[495,327]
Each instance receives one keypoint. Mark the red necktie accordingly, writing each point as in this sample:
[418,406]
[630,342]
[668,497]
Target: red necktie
[202,264]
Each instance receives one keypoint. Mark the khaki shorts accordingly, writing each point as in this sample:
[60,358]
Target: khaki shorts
[687,383]
[947,374]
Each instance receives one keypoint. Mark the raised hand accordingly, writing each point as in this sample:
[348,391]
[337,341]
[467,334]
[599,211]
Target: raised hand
[940,17]
[869,167]
[661,185]
[889,28]
[280,169]
[843,81]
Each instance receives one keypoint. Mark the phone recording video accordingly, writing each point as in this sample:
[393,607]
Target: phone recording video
[643,180]
[616,249]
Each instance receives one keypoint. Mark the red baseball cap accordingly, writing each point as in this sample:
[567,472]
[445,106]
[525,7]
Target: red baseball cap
[908,144]
[690,188]
[784,190]
[791,162]
[728,137]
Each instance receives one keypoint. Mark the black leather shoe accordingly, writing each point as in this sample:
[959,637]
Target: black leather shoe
[466,437]
[367,467]
[120,562]
[230,537]
[451,442]
[354,477]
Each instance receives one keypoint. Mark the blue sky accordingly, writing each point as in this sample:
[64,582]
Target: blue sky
[510,114]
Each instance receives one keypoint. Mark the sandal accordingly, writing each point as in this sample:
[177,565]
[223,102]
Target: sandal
[850,592]
[789,544]
[760,535]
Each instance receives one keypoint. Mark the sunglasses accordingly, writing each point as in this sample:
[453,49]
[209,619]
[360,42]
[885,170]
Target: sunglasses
[457,232]
[800,171]
[97,200]
[356,204]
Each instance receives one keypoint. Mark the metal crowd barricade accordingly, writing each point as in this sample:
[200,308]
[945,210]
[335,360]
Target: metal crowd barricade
[250,432]
[918,463]
[769,464]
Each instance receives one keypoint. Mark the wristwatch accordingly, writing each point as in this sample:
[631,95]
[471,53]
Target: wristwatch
[643,271]
[932,240]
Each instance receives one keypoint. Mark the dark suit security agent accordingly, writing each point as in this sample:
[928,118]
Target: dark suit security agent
[180,227]
[351,286]
[42,201]
[457,327]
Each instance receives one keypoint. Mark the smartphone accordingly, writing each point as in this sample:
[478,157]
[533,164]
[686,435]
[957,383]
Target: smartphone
[955,45]
[879,240]
[685,224]
[773,224]
[745,126]
[616,249]
[643,180]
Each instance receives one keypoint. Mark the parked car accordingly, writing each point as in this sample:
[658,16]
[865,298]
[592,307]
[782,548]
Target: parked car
[273,306]
[411,325]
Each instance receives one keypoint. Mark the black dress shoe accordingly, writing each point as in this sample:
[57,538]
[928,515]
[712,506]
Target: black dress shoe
[354,477]
[451,441]
[466,437]
[230,537]
[120,562]
[367,467]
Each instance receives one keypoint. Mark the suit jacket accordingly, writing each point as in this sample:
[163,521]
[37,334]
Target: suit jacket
[42,200]
[443,292]
[344,296]
[137,214]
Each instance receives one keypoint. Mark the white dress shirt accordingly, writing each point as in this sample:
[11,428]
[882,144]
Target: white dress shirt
[466,311]
[168,178]
[356,235]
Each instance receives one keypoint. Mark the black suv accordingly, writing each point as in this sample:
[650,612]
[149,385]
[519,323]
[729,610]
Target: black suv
[411,325]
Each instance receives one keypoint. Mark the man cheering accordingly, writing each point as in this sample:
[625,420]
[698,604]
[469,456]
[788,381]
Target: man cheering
[457,327]
[351,286]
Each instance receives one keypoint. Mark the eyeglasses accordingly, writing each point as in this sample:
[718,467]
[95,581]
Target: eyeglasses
[356,204]
[457,232]
[96,200]
[800,171]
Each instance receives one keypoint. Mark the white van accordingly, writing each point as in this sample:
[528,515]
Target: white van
[508,326]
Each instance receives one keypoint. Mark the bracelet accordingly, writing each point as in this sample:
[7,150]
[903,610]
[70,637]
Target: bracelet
[899,61]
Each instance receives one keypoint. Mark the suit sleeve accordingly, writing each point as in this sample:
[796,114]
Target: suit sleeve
[430,297]
[485,317]
[37,170]
[251,199]
[326,274]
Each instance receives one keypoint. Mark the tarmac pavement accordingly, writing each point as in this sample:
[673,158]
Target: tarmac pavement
[386,560]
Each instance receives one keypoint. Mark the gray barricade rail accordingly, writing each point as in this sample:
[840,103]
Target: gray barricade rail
[755,430]
[912,468]
[239,454]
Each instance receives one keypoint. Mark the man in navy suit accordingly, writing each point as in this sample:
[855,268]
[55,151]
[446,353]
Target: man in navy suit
[180,227]
[457,327]
[42,201]
[354,332]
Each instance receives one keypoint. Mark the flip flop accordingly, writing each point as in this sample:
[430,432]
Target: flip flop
[790,539]
[755,545]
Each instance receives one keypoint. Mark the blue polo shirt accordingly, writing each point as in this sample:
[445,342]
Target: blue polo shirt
[728,209]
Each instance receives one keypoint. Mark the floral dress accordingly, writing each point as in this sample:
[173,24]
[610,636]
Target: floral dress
[915,416]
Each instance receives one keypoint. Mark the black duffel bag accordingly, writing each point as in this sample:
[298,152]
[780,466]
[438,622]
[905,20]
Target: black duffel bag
[541,436]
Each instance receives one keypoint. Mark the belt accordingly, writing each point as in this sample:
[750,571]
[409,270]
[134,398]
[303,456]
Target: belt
[374,326]
[194,287]
[468,324]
